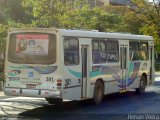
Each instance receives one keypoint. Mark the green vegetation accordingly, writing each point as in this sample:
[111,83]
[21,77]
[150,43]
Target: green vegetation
[148,18]
[139,17]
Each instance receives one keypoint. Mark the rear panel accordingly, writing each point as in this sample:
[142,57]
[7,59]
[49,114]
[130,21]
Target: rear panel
[31,66]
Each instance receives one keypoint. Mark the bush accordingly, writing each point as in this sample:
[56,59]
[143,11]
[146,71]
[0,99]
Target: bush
[2,76]
[2,72]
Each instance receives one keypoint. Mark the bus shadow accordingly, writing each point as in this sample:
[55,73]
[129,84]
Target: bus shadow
[73,109]
[157,83]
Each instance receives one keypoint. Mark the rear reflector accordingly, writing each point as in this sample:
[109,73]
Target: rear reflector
[59,84]
[13,91]
[59,80]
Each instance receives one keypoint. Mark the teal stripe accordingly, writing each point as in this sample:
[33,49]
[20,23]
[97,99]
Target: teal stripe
[94,74]
[76,74]
[131,67]
[20,67]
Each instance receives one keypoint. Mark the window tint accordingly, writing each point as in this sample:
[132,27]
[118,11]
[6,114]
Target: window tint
[112,52]
[32,48]
[143,50]
[105,50]
[95,45]
[134,50]
[98,51]
[102,51]
[71,51]
[138,50]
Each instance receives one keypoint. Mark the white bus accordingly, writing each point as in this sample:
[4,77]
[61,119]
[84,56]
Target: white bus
[59,64]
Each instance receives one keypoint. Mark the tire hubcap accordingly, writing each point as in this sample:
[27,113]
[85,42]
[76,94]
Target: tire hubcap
[142,84]
[99,94]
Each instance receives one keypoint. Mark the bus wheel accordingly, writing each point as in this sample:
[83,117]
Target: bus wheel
[54,100]
[142,85]
[98,92]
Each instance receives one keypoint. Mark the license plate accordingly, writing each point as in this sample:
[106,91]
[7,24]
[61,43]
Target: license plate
[14,78]
[31,86]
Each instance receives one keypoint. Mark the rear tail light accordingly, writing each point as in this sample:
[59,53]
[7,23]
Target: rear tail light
[13,91]
[59,84]
[59,81]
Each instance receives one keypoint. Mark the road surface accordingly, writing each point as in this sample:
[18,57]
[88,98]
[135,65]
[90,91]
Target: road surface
[116,107]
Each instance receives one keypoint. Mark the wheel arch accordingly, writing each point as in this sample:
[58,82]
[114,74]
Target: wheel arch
[142,84]
[145,75]
[98,92]
[102,81]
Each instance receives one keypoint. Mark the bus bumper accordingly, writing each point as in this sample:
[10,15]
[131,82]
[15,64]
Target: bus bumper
[33,93]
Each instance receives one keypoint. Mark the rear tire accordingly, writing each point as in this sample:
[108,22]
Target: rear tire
[55,101]
[142,85]
[98,92]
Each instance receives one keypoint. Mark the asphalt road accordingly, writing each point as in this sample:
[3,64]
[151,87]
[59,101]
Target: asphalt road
[114,107]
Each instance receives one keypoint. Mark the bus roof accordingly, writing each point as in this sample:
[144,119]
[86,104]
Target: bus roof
[86,33]
[95,34]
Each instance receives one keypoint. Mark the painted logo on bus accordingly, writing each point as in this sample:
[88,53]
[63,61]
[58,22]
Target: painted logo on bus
[114,72]
[39,69]
[14,73]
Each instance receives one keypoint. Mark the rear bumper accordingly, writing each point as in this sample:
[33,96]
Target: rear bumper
[33,93]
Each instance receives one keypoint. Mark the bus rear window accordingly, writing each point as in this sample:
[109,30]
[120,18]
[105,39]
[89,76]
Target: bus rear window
[36,44]
[32,48]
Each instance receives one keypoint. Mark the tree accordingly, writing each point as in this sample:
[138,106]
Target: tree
[62,14]
[45,12]
[12,9]
[3,35]
[134,24]
[97,18]
[149,14]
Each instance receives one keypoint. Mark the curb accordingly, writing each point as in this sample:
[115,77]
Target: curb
[1,93]
[157,72]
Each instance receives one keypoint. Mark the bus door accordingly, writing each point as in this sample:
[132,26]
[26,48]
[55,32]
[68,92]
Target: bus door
[84,70]
[151,50]
[85,57]
[124,66]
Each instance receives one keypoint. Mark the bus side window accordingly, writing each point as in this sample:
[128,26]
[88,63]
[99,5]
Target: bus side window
[71,51]
[143,51]
[98,51]
[95,52]
[112,51]
[134,50]
[102,51]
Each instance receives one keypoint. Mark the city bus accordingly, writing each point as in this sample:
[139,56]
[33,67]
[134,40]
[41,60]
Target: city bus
[58,64]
